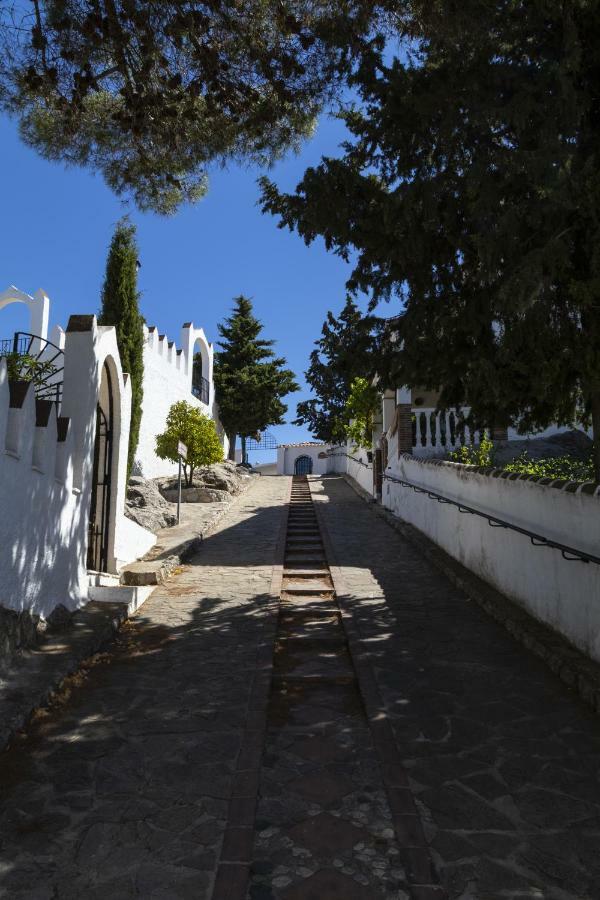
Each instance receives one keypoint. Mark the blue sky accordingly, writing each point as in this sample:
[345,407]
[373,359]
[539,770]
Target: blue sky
[58,223]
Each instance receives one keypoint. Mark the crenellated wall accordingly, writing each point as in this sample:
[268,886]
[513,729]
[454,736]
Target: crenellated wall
[168,379]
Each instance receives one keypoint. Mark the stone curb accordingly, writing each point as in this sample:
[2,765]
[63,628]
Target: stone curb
[35,675]
[572,666]
[154,568]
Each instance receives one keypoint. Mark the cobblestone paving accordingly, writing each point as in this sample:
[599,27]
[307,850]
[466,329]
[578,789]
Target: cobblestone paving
[123,791]
[504,761]
[324,828]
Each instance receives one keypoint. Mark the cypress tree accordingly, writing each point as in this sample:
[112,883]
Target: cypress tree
[120,308]
[250,380]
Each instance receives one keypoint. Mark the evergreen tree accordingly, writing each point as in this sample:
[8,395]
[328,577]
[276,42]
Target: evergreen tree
[345,351]
[150,94]
[470,191]
[120,308]
[250,381]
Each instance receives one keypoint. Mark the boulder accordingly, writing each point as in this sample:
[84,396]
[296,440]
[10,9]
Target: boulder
[211,484]
[197,493]
[221,477]
[145,505]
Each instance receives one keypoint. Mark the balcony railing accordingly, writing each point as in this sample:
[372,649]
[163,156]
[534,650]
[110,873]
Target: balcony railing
[201,390]
[436,433]
[37,360]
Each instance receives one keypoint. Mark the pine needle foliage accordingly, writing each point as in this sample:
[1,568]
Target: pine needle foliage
[150,94]
[250,381]
[120,308]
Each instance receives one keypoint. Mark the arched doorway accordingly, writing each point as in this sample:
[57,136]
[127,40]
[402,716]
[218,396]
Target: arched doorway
[98,531]
[200,373]
[303,465]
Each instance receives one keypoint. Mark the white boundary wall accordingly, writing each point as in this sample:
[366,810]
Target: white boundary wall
[168,379]
[563,594]
[359,468]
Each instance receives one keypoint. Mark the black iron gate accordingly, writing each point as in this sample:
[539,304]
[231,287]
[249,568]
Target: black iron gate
[97,556]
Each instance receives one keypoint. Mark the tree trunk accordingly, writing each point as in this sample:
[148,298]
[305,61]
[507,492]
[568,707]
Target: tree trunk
[596,434]
[244,460]
[231,454]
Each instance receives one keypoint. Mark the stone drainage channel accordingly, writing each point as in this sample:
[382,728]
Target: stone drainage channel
[334,816]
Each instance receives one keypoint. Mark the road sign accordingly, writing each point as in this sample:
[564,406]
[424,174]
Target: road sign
[182,450]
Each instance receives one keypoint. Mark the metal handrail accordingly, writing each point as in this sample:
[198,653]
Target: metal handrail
[538,540]
[353,458]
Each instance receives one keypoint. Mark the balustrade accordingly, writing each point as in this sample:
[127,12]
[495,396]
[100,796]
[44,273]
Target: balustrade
[439,432]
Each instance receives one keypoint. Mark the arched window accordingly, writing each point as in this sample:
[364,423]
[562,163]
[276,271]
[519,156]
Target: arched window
[200,384]
[303,465]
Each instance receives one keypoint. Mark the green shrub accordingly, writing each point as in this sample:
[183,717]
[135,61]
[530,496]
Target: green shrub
[475,455]
[564,467]
[360,410]
[24,367]
[186,423]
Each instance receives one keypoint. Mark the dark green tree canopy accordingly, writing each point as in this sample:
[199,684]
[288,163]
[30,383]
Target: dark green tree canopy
[150,93]
[250,380]
[345,351]
[120,308]
[470,191]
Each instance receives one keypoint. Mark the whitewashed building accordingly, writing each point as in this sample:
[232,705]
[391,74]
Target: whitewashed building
[63,452]
[304,458]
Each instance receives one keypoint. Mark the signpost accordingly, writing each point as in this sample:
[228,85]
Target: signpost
[182,453]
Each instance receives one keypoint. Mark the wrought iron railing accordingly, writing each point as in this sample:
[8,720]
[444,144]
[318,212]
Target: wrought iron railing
[42,363]
[201,389]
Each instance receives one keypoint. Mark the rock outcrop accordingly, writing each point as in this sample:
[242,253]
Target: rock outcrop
[146,506]
[211,484]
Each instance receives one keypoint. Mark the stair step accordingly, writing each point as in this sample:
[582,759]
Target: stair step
[314,585]
[305,573]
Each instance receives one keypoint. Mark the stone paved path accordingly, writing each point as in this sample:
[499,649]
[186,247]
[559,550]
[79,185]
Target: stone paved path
[124,792]
[143,782]
[503,760]
[324,827]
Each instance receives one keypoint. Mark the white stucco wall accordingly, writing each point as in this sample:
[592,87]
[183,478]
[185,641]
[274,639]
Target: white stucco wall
[563,594]
[359,468]
[168,379]
[46,467]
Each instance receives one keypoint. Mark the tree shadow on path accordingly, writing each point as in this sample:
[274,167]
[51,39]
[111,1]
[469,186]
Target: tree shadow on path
[504,758]
[121,788]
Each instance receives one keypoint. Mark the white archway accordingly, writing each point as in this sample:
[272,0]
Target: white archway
[38,306]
